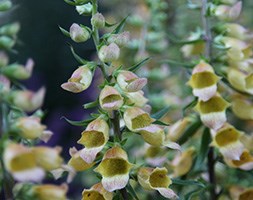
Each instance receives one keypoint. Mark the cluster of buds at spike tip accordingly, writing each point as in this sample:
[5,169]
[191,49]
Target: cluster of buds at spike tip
[80,80]
[94,138]
[31,128]
[228,12]
[203,81]
[213,112]
[50,192]
[27,100]
[114,169]
[78,33]
[110,99]
[156,179]
[97,191]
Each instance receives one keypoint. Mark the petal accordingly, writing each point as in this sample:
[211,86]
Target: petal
[89,154]
[172,145]
[73,87]
[232,151]
[204,94]
[168,193]
[34,175]
[214,120]
[46,135]
[115,183]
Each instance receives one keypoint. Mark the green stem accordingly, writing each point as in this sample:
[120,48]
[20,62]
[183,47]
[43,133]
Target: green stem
[208,55]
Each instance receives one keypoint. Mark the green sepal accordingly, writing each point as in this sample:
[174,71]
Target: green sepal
[76,3]
[158,122]
[64,31]
[161,113]
[78,123]
[91,104]
[121,25]
[77,57]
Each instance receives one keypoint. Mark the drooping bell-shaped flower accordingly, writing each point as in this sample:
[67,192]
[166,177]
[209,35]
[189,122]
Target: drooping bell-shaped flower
[155,155]
[114,169]
[27,100]
[136,99]
[94,138]
[245,162]
[98,20]
[20,161]
[79,81]
[213,112]
[228,13]
[97,192]
[227,140]
[203,81]
[156,179]
[130,82]
[109,53]
[48,158]
[120,39]
[78,33]
[31,128]
[110,99]
[50,192]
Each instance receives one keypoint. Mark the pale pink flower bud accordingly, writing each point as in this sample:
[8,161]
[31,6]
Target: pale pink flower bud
[109,53]
[98,20]
[121,39]
[78,33]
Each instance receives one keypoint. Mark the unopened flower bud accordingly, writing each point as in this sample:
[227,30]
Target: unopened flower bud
[228,13]
[4,59]
[98,20]
[6,42]
[97,191]
[130,82]
[28,100]
[5,5]
[5,84]
[10,29]
[18,71]
[109,53]
[121,39]
[79,81]
[85,9]
[50,192]
[78,33]
[114,169]
[110,99]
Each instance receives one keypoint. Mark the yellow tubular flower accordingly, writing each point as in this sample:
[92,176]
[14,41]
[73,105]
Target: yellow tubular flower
[156,179]
[242,107]
[114,169]
[110,99]
[94,138]
[20,161]
[246,195]
[228,13]
[227,140]
[213,112]
[50,192]
[79,81]
[245,162]
[136,99]
[97,192]
[203,81]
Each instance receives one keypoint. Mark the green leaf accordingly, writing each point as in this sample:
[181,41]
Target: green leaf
[177,181]
[160,113]
[78,123]
[177,41]
[121,25]
[158,122]
[190,105]
[91,104]
[192,193]
[131,191]
[76,3]
[190,131]
[173,62]
[204,147]
[138,65]
[77,57]
[65,32]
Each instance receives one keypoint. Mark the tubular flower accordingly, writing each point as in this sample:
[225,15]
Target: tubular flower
[114,169]
[237,31]
[136,119]
[245,162]
[227,140]
[120,39]
[79,81]
[136,98]
[246,195]
[27,100]
[130,82]
[94,139]
[155,156]
[20,161]
[241,80]
[203,81]
[109,53]
[213,112]
[110,99]
[48,158]
[242,107]
[50,192]
[31,128]
[182,163]
[156,179]
[97,192]
[228,13]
